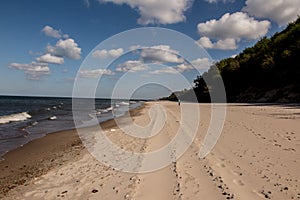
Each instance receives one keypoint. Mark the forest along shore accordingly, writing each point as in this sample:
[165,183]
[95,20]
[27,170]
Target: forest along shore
[256,157]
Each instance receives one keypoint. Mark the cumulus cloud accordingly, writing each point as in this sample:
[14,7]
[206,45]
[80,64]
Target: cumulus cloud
[166,70]
[65,48]
[226,44]
[51,32]
[132,66]
[48,58]
[280,11]
[160,54]
[157,54]
[216,1]
[230,29]
[201,63]
[33,70]
[94,73]
[135,47]
[183,67]
[113,53]
[157,11]
[236,25]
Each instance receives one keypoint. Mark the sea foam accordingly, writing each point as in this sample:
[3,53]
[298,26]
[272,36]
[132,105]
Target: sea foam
[124,103]
[14,118]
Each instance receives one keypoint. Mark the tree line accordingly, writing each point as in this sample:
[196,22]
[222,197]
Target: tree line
[267,72]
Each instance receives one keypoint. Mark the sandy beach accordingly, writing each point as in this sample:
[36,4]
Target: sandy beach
[256,157]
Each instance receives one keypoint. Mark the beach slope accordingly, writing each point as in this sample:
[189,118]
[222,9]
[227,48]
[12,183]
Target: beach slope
[256,157]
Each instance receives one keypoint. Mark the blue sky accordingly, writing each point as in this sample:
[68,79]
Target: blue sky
[44,43]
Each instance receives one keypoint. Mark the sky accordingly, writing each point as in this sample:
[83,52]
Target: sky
[120,48]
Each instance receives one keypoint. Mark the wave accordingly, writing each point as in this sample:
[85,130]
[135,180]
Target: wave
[93,116]
[52,118]
[14,118]
[105,110]
[109,108]
[124,103]
[34,123]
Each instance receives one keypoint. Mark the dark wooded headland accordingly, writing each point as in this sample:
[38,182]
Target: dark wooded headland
[267,72]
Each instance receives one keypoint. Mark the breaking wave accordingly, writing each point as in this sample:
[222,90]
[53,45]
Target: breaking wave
[14,117]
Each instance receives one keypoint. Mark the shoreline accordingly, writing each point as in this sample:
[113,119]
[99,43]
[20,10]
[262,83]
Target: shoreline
[33,159]
[58,131]
[256,157]
[22,122]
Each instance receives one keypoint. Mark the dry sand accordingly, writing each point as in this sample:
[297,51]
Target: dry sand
[256,157]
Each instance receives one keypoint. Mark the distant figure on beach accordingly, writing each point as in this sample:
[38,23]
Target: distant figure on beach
[178,102]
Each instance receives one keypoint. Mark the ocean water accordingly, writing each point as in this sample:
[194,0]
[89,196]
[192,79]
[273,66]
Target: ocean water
[23,119]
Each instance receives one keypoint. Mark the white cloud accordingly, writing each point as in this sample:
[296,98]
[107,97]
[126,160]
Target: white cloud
[216,1]
[226,44]
[159,54]
[48,58]
[94,73]
[113,53]
[280,11]
[166,70]
[201,63]
[51,32]
[66,36]
[132,66]
[54,54]
[135,47]
[236,25]
[33,70]
[206,43]
[183,67]
[230,29]
[157,11]
[65,48]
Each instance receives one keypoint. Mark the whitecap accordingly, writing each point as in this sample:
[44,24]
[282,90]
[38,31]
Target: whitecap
[124,103]
[53,118]
[14,117]
[110,108]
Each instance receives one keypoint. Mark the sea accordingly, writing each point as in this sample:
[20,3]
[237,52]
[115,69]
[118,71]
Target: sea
[23,119]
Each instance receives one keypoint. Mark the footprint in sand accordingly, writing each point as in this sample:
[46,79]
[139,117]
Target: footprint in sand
[221,165]
[289,149]
[277,145]
[237,173]
[263,194]
[238,182]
